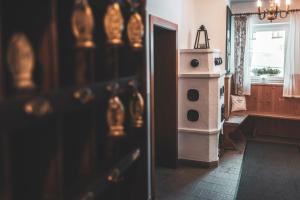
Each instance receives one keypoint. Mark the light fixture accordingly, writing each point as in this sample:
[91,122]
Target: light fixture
[274,10]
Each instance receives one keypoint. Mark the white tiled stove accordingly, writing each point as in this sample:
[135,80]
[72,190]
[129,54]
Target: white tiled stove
[201,101]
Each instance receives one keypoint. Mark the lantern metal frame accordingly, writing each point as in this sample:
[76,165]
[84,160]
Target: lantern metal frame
[197,41]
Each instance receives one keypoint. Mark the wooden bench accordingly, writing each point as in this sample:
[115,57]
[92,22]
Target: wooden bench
[232,125]
[274,115]
[236,119]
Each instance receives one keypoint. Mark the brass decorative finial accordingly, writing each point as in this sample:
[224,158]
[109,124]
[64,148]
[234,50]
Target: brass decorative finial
[83,24]
[115,114]
[135,26]
[135,30]
[20,58]
[38,107]
[136,107]
[84,95]
[114,24]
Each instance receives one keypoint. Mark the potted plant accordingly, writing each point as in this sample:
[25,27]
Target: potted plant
[265,72]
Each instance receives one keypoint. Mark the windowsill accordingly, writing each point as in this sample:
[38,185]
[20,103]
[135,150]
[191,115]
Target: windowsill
[278,81]
[267,83]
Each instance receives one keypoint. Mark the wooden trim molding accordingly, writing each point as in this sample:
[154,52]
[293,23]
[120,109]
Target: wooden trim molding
[227,99]
[162,23]
[2,86]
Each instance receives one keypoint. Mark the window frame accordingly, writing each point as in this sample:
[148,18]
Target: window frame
[270,27]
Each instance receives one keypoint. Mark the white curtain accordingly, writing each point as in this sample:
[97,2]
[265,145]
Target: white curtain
[248,55]
[291,87]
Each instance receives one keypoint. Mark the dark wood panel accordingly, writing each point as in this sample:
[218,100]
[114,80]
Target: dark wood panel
[165,96]
[35,168]
[78,155]
[23,18]
[47,155]
[277,127]
[163,93]
[2,86]
[5,169]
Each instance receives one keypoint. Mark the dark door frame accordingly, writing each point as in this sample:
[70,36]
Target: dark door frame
[162,23]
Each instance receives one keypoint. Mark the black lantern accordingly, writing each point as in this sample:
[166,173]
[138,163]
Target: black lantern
[202,41]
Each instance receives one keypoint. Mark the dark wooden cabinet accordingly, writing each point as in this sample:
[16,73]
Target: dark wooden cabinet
[66,152]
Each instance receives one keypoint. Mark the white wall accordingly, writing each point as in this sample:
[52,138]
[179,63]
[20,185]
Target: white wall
[180,12]
[187,24]
[212,14]
[189,15]
[166,9]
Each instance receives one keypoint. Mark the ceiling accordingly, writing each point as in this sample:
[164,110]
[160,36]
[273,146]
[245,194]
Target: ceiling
[241,1]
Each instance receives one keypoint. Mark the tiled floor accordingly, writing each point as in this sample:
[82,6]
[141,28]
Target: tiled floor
[190,183]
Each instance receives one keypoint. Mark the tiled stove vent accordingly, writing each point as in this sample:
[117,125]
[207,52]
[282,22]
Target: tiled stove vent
[201,104]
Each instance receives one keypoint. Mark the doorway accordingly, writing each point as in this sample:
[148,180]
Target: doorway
[163,94]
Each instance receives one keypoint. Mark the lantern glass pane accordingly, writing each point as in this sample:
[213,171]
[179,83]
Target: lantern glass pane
[202,41]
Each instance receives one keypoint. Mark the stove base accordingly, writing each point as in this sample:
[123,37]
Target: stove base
[200,147]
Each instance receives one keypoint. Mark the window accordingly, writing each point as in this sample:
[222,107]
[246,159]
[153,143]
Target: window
[267,51]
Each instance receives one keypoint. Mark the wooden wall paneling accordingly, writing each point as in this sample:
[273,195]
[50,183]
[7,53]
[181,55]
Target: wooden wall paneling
[1,56]
[39,30]
[279,100]
[35,161]
[131,59]
[60,156]
[127,57]
[297,106]
[77,135]
[252,100]
[293,105]
[5,168]
[66,43]
[137,136]
[273,98]
[124,58]
[227,93]
[259,101]
[77,65]
[49,52]
[141,177]
[48,157]
[104,53]
[2,180]
[84,66]
[269,99]
[265,99]
[287,106]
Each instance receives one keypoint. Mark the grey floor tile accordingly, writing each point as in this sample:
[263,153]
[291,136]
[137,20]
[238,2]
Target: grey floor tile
[190,183]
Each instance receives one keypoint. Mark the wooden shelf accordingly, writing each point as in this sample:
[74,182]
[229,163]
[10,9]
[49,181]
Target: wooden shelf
[42,156]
